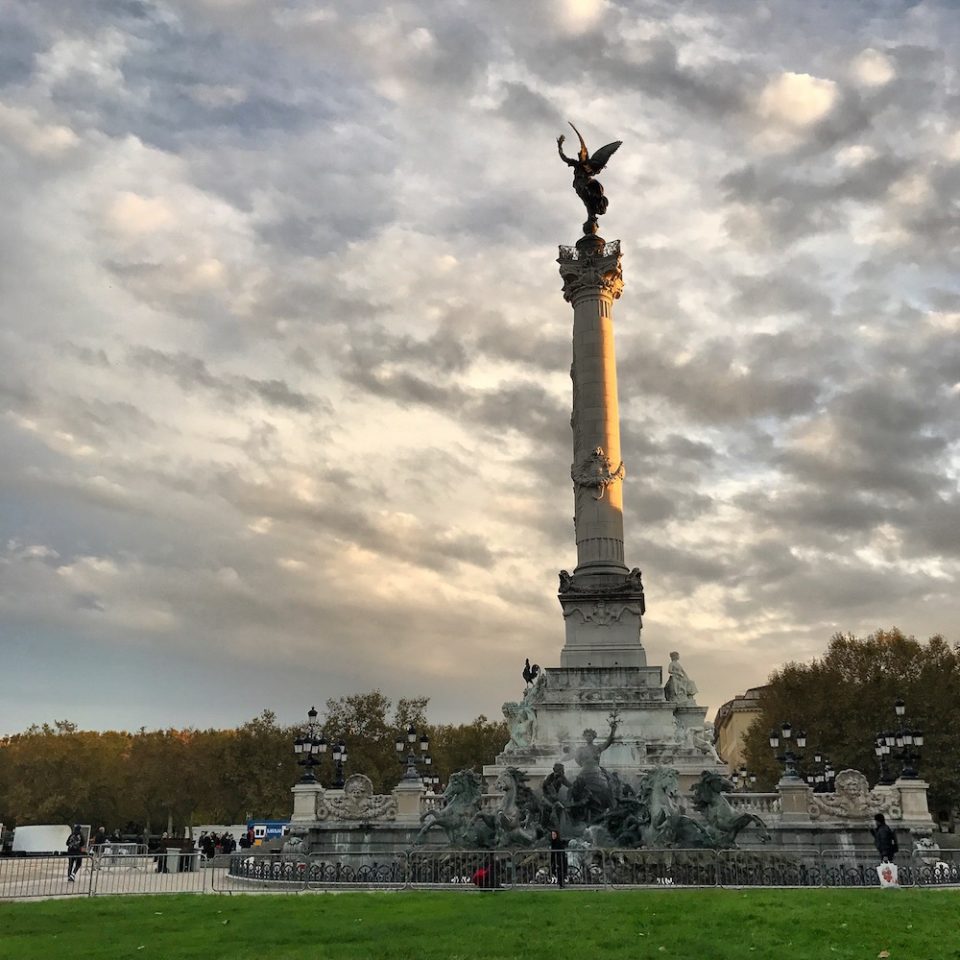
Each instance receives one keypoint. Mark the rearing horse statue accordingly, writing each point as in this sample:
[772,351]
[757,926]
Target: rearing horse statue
[723,822]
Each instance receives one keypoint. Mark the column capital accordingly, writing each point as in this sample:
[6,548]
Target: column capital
[591,273]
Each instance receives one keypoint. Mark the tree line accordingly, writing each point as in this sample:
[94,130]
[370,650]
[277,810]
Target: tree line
[154,779]
[843,699]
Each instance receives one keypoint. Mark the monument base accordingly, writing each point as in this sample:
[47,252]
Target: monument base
[547,726]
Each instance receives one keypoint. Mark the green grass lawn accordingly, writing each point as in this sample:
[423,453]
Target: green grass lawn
[542,925]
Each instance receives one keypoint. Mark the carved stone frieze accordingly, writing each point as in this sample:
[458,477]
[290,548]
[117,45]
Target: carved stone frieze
[628,587]
[597,473]
[854,800]
[357,803]
[602,613]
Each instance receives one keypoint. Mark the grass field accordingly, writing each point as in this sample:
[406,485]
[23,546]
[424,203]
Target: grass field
[543,925]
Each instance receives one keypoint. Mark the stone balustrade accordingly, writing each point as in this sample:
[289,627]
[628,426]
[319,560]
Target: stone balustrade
[762,804]
[432,801]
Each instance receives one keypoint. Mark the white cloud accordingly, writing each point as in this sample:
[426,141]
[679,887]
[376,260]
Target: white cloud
[872,68]
[790,104]
[131,213]
[581,15]
[24,128]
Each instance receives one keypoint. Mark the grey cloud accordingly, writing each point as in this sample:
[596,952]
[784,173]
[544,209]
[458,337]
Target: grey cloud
[882,443]
[525,107]
[87,355]
[798,511]
[783,292]
[794,207]
[397,368]
[932,527]
[654,68]
[425,545]
[520,343]
[839,588]
[675,568]
[102,420]
[192,373]
[709,388]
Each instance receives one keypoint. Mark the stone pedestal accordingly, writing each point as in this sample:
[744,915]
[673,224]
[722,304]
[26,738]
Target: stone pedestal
[407,794]
[913,800]
[794,800]
[652,731]
[306,796]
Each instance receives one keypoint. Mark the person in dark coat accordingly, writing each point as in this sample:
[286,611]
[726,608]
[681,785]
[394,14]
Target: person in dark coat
[558,857]
[74,852]
[884,838]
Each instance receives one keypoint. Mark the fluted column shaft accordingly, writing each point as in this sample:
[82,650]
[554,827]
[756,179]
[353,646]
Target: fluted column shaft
[592,281]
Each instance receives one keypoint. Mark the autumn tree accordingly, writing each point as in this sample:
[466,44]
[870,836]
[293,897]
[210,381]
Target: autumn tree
[843,699]
[159,779]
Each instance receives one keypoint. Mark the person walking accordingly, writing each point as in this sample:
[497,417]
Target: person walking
[558,857]
[75,852]
[884,838]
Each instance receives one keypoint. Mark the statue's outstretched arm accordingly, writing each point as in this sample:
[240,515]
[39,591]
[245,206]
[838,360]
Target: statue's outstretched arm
[563,157]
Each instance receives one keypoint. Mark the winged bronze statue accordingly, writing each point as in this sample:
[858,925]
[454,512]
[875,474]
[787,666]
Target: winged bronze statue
[585,168]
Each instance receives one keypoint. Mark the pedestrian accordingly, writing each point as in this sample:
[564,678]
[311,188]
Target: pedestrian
[884,838]
[558,857]
[75,851]
[99,839]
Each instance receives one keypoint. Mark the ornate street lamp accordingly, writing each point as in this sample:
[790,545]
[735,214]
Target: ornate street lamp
[904,745]
[821,776]
[406,742]
[743,779]
[339,755]
[309,748]
[788,758]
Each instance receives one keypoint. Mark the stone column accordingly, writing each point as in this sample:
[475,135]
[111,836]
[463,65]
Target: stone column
[592,280]
[602,601]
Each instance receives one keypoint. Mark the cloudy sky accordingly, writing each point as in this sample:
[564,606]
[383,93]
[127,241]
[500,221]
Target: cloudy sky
[284,388]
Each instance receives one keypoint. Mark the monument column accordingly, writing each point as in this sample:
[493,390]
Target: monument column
[602,601]
[592,280]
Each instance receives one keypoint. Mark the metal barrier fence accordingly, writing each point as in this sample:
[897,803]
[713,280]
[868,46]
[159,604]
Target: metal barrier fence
[449,869]
[108,855]
[44,876]
[177,872]
[48,876]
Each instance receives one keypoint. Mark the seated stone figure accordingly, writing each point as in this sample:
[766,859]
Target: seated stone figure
[679,687]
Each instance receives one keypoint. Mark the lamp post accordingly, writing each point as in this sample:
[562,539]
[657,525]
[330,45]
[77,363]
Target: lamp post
[743,779]
[406,742]
[821,776]
[882,749]
[338,753]
[309,748]
[904,744]
[788,758]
